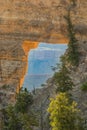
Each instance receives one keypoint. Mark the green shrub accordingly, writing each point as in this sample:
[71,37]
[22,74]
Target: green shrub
[24,100]
[73,53]
[5,86]
[84,86]
[19,117]
[62,79]
[63,114]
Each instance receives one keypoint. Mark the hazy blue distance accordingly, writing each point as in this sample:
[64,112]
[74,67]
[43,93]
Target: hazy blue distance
[40,61]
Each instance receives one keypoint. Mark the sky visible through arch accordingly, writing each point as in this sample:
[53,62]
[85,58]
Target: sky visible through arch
[40,62]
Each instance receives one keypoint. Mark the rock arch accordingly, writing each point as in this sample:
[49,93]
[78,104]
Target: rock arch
[23,24]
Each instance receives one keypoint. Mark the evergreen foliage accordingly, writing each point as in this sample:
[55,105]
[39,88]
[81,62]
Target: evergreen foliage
[24,100]
[11,120]
[19,117]
[73,54]
[84,86]
[62,78]
[63,114]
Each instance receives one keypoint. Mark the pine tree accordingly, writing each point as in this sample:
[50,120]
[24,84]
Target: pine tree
[18,117]
[63,114]
[73,54]
[23,101]
[11,120]
[62,79]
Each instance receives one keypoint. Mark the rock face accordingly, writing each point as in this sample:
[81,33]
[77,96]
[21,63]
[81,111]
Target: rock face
[36,20]
[79,77]
[30,20]
[23,24]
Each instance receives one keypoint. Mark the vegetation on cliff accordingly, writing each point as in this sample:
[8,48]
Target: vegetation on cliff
[19,116]
[63,110]
[23,101]
[73,54]
[84,86]
[62,79]
[64,113]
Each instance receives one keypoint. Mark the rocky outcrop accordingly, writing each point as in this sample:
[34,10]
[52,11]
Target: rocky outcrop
[13,67]
[79,76]
[37,20]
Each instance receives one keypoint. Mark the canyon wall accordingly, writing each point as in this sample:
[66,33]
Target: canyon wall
[23,24]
